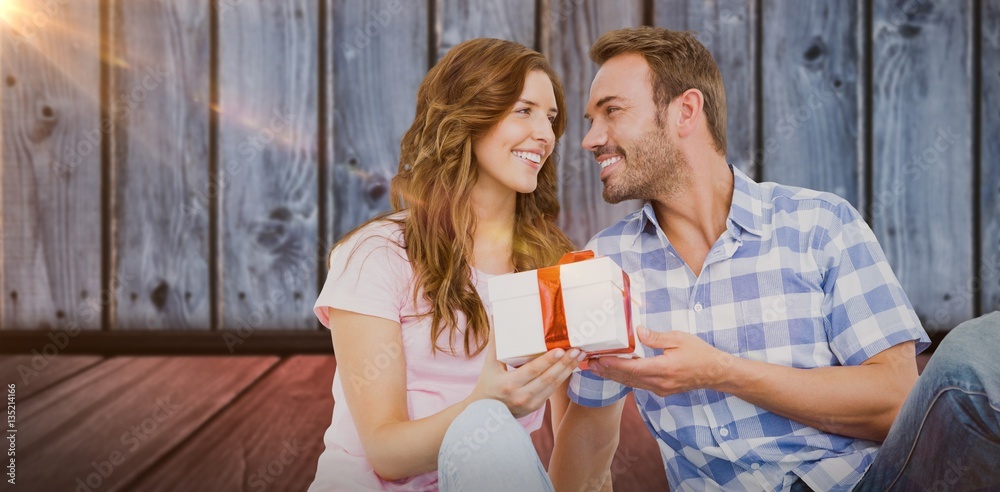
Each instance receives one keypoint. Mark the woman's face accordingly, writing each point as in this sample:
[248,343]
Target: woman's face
[511,154]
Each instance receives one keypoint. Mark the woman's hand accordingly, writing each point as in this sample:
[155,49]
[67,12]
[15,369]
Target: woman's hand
[526,388]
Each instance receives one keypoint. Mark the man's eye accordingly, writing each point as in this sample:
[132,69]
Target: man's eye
[611,109]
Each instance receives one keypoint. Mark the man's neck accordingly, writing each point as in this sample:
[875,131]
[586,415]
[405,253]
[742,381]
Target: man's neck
[695,216]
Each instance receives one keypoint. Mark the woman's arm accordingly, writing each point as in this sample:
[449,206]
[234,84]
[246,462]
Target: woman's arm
[396,446]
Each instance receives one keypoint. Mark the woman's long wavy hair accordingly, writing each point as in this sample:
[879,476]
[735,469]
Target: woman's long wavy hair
[467,93]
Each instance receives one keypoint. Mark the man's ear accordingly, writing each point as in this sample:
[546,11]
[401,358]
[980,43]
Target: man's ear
[690,105]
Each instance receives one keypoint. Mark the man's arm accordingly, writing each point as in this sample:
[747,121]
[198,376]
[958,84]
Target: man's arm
[856,401]
[585,445]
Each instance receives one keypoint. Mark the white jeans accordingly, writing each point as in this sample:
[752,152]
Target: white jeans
[486,449]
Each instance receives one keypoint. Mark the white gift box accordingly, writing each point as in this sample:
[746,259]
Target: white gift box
[593,295]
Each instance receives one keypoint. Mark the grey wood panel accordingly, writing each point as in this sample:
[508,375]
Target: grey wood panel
[160,110]
[50,167]
[811,62]
[268,114]
[922,164]
[728,29]
[571,26]
[513,20]
[987,284]
[378,55]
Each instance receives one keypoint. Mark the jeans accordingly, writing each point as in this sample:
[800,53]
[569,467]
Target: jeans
[486,449]
[946,436]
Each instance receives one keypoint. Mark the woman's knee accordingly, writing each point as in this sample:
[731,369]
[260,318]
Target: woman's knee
[478,422]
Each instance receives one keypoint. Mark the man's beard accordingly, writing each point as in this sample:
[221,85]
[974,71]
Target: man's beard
[653,169]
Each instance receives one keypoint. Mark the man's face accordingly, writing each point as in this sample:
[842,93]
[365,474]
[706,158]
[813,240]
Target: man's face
[638,158]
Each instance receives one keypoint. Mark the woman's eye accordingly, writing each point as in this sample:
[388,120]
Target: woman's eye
[524,111]
[552,119]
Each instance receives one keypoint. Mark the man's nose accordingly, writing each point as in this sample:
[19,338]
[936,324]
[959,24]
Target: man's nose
[595,138]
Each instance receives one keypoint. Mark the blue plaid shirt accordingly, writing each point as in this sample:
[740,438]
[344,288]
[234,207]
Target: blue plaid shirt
[797,279]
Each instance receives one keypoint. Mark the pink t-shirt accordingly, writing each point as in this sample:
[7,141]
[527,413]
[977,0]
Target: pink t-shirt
[378,281]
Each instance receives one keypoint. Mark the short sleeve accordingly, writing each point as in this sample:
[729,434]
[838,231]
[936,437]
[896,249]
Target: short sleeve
[865,306]
[588,389]
[367,275]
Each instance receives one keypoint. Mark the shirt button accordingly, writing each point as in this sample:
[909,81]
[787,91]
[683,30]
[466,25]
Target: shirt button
[697,307]
[755,466]
[723,432]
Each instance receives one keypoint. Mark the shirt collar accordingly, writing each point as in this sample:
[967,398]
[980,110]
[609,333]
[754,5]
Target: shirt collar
[746,210]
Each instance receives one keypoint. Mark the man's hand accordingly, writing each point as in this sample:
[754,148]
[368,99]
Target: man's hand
[856,401]
[687,363]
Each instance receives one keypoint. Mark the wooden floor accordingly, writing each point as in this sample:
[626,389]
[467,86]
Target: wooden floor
[203,424]
[193,423]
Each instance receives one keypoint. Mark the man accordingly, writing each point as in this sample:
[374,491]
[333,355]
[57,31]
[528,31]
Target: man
[780,346]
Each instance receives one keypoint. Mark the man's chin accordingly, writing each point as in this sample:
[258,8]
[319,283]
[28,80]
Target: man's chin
[615,197]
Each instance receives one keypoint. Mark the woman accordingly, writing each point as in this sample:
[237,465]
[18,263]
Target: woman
[474,196]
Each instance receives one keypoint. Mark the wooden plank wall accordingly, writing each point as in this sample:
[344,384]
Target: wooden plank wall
[812,53]
[267,163]
[378,54]
[728,28]
[51,269]
[986,282]
[194,176]
[922,166]
[572,26]
[160,177]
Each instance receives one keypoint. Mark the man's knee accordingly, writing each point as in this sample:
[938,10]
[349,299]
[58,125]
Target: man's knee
[982,333]
[968,351]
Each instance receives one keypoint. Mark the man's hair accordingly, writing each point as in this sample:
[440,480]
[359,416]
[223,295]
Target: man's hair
[678,62]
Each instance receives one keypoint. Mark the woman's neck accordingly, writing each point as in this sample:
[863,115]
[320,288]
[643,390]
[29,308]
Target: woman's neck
[494,234]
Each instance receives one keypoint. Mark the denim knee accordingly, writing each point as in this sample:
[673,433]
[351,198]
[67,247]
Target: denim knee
[485,448]
[980,332]
[483,424]
[966,356]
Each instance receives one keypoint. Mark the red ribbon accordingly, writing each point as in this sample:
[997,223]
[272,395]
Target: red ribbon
[554,308]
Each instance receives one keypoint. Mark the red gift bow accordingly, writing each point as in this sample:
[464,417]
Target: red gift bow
[554,309]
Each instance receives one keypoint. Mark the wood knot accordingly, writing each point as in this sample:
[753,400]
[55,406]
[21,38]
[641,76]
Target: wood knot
[281,213]
[44,124]
[816,49]
[159,295]
[271,234]
[376,186]
[909,30]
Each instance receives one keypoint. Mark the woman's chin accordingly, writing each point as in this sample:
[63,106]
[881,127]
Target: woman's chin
[527,188]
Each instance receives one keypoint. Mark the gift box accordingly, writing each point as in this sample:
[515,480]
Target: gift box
[583,302]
